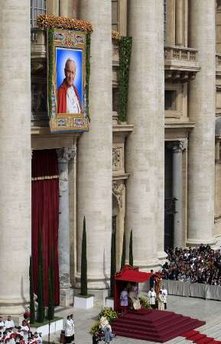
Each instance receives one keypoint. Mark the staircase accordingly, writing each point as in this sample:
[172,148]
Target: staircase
[154,325]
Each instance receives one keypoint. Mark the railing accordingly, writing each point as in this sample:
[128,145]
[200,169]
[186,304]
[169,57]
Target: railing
[180,54]
[205,291]
[218,61]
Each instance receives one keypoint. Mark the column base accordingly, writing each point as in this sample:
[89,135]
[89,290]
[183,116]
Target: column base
[197,242]
[146,266]
[66,297]
[93,282]
[14,309]
[162,256]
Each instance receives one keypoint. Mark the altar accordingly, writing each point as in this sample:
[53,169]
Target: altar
[128,274]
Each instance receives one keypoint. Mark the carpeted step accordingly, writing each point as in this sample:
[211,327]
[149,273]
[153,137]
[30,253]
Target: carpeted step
[190,334]
[207,340]
[198,337]
[154,325]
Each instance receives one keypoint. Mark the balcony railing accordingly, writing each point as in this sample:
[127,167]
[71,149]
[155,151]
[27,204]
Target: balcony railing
[181,64]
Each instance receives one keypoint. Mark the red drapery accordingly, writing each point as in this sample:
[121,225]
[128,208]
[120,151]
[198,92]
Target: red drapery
[45,212]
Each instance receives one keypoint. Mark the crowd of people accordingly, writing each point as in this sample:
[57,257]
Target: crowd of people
[11,334]
[197,265]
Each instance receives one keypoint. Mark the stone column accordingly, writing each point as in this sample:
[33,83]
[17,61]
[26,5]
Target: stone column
[119,193]
[95,149]
[145,146]
[170,22]
[179,22]
[15,155]
[53,7]
[69,8]
[202,112]
[66,296]
[178,192]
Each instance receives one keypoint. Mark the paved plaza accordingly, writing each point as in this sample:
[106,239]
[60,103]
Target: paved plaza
[207,310]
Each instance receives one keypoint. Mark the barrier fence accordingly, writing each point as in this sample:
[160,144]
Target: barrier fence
[205,291]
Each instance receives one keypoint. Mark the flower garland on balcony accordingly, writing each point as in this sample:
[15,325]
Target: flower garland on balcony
[45,21]
[125,47]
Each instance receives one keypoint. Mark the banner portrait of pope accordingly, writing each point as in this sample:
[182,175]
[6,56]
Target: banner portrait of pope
[69,80]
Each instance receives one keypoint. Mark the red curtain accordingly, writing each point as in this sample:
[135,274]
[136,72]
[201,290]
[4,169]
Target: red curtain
[45,215]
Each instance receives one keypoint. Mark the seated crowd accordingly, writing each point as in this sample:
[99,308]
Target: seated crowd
[196,265]
[11,334]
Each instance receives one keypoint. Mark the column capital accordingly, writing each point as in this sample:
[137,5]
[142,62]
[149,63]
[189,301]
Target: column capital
[178,146]
[66,154]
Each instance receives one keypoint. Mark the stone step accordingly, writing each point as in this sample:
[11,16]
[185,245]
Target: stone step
[179,340]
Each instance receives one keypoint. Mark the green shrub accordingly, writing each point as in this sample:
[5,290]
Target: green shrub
[95,328]
[144,302]
[109,313]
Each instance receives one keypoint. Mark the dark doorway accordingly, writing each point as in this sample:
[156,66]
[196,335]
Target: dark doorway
[169,207]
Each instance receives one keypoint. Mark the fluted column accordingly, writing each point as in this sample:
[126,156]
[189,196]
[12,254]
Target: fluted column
[179,22]
[15,155]
[170,22]
[119,193]
[53,7]
[178,193]
[202,112]
[69,8]
[145,146]
[64,155]
[95,149]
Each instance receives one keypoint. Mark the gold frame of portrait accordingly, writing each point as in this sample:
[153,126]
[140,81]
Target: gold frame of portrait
[66,122]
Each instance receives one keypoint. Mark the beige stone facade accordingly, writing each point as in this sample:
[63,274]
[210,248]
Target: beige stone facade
[158,173]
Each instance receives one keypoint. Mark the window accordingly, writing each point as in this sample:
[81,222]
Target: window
[115,98]
[37,7]
[170,100]
[115,15]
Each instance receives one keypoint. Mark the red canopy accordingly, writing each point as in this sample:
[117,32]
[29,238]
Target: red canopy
[127,274]
[132,274]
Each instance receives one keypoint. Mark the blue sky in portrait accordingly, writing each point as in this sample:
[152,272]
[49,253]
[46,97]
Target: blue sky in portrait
[62,54]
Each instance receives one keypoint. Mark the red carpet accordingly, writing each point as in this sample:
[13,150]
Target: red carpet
[154,325]
[199,338]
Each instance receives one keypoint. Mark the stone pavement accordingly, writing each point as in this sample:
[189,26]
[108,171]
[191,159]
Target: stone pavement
[207,310]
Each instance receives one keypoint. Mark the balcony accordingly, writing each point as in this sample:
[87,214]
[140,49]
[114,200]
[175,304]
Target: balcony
[38,43]
[218,65]
[181,64]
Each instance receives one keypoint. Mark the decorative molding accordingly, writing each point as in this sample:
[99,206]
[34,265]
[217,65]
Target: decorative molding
[118,192]
[116,158]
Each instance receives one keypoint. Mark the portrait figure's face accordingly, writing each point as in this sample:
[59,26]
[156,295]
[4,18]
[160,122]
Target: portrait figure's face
[70,71]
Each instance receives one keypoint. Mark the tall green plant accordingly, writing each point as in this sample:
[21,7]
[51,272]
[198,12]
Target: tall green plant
[113,263]
[50,312]
[125,46]
[31,292]
[131,259]
[84,261]
[123,256]
[40,310]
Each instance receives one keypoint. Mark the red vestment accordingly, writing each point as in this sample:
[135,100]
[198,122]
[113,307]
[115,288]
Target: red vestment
[62,95]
